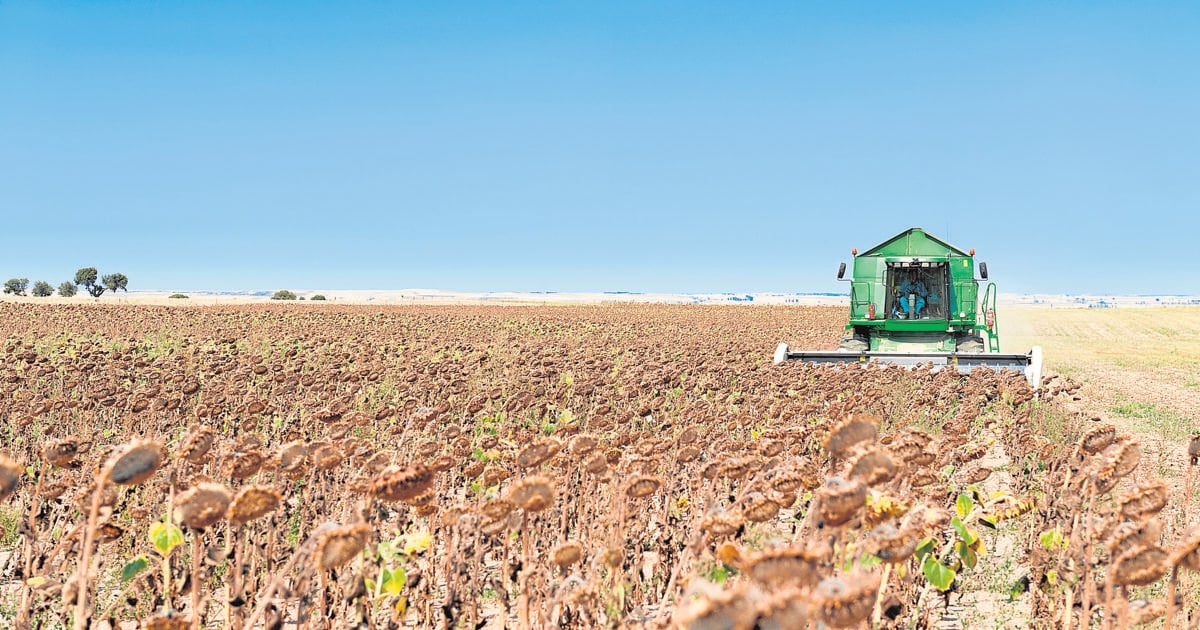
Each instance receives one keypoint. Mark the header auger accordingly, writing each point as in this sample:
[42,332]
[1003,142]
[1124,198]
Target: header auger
[914,299]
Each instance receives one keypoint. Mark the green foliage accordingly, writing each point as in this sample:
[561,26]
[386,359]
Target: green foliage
[283,294]
[133,568]
[718,572]
[16,286]
[89,279]
[392,581]
[115,281]
[41,288]
[1165,422]
[165,536]
[938,574]
[9,532]
[86,278]
[67,289]
[963,505]
[177,296]
[1052,539]
[317,297]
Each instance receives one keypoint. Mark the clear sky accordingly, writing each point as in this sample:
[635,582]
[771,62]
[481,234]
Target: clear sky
[593,146]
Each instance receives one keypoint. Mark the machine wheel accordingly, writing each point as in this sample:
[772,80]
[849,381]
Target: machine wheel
[969,345]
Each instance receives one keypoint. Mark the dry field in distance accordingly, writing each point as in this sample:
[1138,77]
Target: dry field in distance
[581,466]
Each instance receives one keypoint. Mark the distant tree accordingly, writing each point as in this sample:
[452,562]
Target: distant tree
[283,294]
[86,278]
[114,281]
[41,288]
[178,296]
[67,289]
[16,286]
[91,281]
[317,297]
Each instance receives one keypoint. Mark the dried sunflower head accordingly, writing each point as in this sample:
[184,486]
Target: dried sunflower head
[497,509]
[537,453]
[533,494]
[10,476]
[890,544]
[326,456]
[203,505]
[846,601]
[976,474]
[873,467]
[841,500]
[758,508]
[62,453]
[135,462]
[252,503]
[567,554]
[781,567]
[292,458]
[851,431]
[1097,439]
[196,444]
[642,486]
[402,484]
[596,464]
[722,523]
[245,464]
[169,620]
[705,606]
[687,454]
[582,444]
[1187,552]
[340,545]
[1145,500]
[1140,566]
[1131,534]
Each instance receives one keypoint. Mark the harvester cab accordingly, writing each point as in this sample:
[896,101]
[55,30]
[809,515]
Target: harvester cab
[914,299]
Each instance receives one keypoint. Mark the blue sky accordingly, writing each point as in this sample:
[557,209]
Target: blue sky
[644,146]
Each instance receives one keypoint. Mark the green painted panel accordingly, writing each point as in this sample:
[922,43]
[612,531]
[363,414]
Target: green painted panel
[912,342]
[916,324]
[914,242]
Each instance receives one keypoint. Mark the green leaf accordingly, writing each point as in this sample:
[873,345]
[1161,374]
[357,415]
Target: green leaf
[133,568]
[416,542]
[964,533]
[165,537]
[963,505]
[369,583]
[1052,539]
[1018,588]
[967,554]
[924,549]
[393,581]
[939,575]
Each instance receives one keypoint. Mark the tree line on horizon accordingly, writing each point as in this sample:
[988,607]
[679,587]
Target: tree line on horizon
[88,278]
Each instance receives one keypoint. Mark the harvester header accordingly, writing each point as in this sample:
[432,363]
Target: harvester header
[914,299]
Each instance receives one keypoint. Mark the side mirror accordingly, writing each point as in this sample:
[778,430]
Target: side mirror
[983,270]
[841,270]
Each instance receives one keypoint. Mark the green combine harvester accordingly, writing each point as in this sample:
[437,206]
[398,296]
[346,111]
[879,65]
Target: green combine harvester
[914,300]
